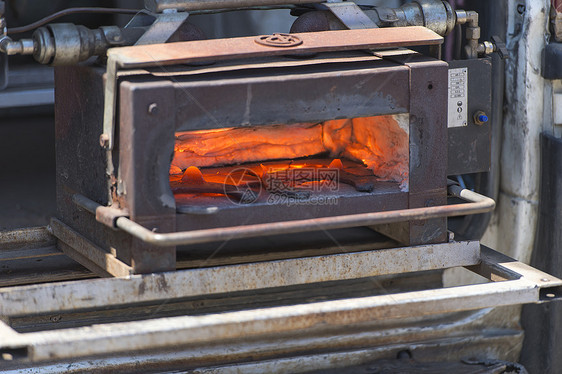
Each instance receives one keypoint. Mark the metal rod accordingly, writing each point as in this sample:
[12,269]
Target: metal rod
[66,12]
[159,6]
[85,203]
[163,333]
[477,204]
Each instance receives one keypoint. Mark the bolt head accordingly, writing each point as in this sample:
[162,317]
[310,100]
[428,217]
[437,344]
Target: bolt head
[104,140]
[480,118]
[153,109]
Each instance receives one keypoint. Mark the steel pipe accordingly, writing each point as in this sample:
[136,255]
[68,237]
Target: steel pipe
[159,6]
[476,204]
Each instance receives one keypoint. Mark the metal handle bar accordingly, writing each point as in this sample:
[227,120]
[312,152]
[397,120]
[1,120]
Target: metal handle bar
[476,204]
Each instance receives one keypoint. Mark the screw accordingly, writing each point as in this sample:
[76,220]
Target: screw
[545,280]
[104,140]
[521,8]
[153,109]
[480,118]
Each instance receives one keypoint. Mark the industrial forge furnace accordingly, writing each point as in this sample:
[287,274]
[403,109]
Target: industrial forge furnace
[265,139]
[265,201]
[160,146]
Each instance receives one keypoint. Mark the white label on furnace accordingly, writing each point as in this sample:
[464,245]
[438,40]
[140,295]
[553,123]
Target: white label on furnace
[458,97]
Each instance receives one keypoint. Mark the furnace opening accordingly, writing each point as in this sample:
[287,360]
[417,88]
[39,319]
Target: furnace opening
[300,161]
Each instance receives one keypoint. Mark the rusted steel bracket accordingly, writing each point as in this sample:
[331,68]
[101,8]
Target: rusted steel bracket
[163,28]
[106,215]
[351,15]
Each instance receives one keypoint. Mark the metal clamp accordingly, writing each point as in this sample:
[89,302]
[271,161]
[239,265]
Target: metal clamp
[351,15]
[476,204]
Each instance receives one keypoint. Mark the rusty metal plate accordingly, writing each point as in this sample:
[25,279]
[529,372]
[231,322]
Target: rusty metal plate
[220,49]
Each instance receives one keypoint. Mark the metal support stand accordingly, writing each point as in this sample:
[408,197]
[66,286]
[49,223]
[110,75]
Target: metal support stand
[511,283]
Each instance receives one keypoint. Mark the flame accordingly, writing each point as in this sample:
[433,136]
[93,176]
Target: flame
[336,164]
[381,143]
[193,175]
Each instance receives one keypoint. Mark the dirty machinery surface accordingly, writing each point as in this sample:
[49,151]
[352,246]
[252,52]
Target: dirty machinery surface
[267,203]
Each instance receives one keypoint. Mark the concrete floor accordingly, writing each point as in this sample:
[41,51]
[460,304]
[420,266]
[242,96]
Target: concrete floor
[27,170]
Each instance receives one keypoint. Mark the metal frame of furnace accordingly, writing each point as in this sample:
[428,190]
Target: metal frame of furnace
[129,178]
[512,283]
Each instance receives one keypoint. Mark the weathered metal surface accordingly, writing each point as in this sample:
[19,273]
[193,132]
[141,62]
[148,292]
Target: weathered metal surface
[360,89]
[170,332]
[105,263]
[147,126]
[437,340]
[351,15]
[29,256]
[46,264]
[404,363]
[212,304]
[436,15]
[264,63]
[24,237]
[528,287]
[428,137]
[470,146]
[428,126]
[80,161]
[494,265]
[186,283]
[163,28]
[234,48]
